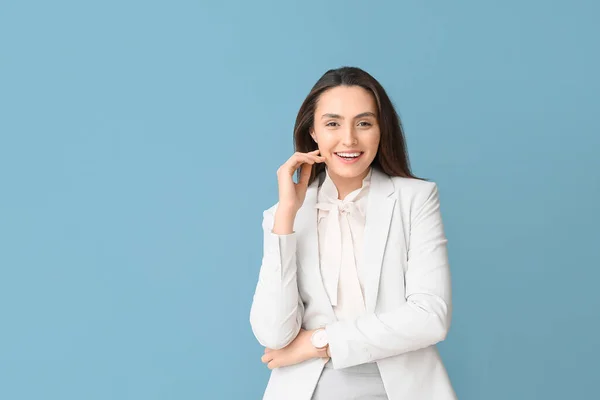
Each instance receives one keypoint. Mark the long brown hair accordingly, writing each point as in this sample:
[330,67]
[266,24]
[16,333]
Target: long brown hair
[392,154]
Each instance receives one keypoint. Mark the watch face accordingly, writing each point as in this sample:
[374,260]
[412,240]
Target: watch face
[319,340]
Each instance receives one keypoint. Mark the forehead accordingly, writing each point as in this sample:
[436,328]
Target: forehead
[346,100]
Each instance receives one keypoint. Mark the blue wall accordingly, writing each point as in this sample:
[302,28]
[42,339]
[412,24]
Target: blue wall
[138,147]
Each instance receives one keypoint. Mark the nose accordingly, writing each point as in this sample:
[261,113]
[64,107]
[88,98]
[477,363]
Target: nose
[349,137]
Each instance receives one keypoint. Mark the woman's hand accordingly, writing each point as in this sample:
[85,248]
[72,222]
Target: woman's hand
[301,349]
[291,194]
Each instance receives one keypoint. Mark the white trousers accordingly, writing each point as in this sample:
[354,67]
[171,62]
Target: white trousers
[361,382]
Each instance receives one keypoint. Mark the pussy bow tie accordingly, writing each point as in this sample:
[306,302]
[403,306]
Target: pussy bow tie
[335,220]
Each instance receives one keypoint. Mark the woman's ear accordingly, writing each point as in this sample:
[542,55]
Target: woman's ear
[312,134]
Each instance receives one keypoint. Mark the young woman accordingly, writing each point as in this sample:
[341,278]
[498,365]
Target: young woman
[354,288]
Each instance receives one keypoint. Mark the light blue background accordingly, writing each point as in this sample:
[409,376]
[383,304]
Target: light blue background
[138,149]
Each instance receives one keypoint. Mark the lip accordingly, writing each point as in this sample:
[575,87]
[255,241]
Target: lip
[343,160]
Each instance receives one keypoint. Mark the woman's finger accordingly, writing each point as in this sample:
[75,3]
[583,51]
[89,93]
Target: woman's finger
[307,159]
[266,358]
[296,161]
[305,174]
[311,155]
[318,159]
[314,153]
[306,156]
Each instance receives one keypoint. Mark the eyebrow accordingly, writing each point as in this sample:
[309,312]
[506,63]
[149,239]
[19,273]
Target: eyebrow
[365,114]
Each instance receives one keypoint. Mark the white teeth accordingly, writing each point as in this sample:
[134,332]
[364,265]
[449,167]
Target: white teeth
[348,154]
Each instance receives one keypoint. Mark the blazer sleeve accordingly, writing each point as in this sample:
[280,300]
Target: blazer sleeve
[277,309]
[424,319]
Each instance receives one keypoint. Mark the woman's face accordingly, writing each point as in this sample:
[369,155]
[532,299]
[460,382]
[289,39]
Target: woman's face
[346,130]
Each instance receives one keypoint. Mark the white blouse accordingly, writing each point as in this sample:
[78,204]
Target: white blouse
[340,229]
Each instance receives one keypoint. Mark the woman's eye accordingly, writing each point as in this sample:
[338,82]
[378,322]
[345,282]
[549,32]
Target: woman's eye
[364,122]
[330,123]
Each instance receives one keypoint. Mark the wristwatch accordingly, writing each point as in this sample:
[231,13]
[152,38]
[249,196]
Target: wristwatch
[319,339]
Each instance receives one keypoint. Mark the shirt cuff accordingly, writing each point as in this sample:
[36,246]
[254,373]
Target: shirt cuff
[337,344]
[280,253]
[280,244]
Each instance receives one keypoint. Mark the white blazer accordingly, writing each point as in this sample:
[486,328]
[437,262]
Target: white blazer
[406,280]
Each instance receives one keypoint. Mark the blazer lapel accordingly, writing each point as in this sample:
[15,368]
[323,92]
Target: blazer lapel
[380,207]
[305,225]
[379,210]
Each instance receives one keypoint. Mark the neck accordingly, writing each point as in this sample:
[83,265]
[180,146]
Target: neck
[345,185]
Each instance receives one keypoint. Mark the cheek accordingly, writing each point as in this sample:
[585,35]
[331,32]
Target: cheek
[373,142]
[326,146]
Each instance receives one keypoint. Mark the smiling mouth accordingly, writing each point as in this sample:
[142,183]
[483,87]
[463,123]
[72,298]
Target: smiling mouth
[349,156]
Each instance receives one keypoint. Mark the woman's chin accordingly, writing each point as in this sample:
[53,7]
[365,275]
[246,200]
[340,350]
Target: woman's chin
[347,171]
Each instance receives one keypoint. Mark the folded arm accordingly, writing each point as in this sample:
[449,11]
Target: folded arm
[425,317]
[277,309]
